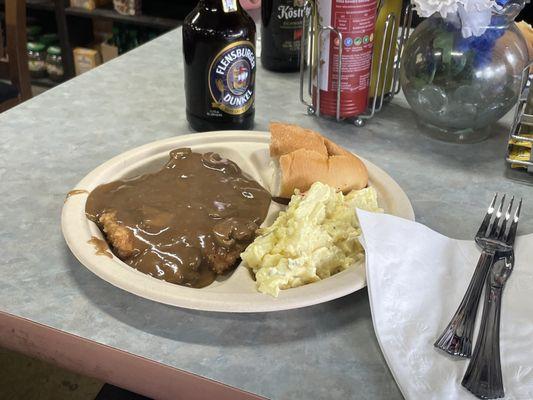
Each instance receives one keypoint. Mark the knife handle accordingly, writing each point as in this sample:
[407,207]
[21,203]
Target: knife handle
[456,339]
[483,376]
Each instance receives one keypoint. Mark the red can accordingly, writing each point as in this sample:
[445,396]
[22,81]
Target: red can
[355,20]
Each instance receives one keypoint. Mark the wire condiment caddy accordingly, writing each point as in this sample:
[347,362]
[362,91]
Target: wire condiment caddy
[523,118]
[310,62]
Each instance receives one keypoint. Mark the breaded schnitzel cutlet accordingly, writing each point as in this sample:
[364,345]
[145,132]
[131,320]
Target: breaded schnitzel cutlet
[186,223]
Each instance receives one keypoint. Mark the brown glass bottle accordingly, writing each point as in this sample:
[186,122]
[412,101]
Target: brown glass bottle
[281,32]
[220,65]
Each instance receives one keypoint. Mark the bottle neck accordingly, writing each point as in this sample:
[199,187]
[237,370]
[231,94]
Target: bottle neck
[224,5]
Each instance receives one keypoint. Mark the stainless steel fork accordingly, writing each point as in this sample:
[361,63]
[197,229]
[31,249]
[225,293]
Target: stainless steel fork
[483,376]
[492,236]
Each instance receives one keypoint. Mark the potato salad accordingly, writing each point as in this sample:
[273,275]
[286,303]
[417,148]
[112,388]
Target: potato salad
[316,237]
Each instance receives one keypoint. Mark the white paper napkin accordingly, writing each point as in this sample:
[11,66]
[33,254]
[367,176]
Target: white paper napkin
[416,279]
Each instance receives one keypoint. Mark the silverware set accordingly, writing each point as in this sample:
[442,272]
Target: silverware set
[495,237]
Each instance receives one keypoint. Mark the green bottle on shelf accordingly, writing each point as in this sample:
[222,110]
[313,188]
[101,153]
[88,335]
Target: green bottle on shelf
[134,38]
[387,7]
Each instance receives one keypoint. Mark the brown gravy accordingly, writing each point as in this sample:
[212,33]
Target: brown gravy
[74,193]
[101,247]
[184,224]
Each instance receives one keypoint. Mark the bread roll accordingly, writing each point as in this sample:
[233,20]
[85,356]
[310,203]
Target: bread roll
[287,138]
[306,157]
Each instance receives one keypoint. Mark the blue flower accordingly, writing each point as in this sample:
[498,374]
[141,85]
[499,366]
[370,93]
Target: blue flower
[481,46]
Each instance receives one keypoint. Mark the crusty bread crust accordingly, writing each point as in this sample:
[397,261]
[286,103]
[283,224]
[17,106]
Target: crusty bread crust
[287,138]
[306,157]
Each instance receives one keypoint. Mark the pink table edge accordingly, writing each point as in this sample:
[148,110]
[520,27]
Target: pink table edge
[111,365]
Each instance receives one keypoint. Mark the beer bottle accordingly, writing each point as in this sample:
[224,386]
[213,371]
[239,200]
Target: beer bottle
[281,32]
[220,65]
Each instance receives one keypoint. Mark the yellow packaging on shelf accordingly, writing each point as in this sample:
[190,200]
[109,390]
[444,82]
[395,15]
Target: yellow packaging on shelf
[89,4]
[521,143]
[107,51]
[519,153]
[86,59]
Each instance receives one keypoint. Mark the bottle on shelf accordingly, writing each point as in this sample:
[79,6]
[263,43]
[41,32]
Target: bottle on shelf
[54,64]
[281,32]
[37,59]
[387,7]
[219,66]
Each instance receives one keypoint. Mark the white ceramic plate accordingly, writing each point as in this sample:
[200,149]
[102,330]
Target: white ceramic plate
[233,293]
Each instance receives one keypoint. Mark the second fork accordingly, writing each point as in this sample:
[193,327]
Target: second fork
[492,236]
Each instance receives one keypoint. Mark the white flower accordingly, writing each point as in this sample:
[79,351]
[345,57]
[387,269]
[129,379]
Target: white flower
[425,8]
[477,5]
[475,16]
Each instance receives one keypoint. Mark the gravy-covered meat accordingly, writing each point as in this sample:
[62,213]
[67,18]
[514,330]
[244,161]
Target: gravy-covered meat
[120,237]
[187,222]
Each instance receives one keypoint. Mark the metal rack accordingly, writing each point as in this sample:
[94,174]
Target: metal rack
[521,119]
[310,62]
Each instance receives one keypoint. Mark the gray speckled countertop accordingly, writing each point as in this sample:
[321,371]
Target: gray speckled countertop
[327,351]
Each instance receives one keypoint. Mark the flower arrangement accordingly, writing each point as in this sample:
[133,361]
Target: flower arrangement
[461,66]
[473,15]
[478,21]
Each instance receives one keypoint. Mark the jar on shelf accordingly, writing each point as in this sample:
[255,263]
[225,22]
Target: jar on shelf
[33,32]
[37,59]
[54,63]
[49,39]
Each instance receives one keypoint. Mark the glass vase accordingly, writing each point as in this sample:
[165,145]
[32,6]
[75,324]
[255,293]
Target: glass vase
[458,87]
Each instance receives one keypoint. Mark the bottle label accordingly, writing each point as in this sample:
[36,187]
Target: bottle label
[232,78]
[229,5]
[290,14]
[355,20]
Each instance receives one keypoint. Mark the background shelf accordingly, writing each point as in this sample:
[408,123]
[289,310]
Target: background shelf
[44,82]
[75,26]
[39,4]
[111,14]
